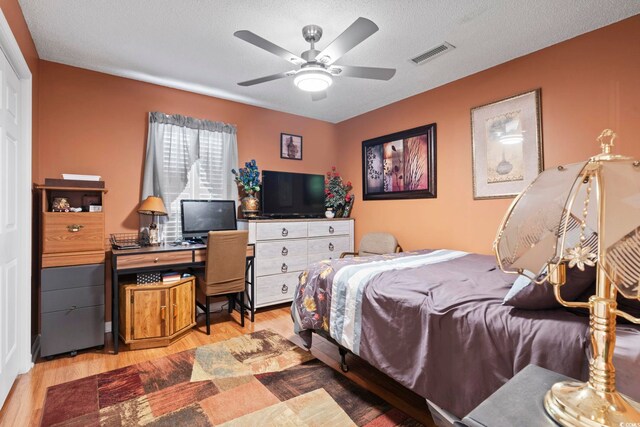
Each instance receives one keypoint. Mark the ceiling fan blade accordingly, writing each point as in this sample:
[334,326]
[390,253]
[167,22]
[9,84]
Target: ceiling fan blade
[357,32]
[367,72]
[318,96]
[265,79]
[258,41]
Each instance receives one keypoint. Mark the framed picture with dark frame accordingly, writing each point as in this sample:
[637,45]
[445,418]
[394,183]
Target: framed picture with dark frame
[290,146]
[401,165]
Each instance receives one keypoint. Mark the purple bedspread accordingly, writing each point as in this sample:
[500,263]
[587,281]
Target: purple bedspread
[441,329]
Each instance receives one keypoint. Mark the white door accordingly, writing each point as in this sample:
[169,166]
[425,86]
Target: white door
[12,233]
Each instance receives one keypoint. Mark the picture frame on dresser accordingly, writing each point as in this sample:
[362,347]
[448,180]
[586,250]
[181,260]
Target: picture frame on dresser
[400,165]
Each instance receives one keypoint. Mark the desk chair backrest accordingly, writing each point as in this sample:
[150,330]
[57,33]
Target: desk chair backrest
[226,257]
[378,244]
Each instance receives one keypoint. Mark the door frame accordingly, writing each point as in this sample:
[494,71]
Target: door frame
[11,49]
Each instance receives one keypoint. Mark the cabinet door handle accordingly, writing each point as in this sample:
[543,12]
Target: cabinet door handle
[284,267]
[284,289]
[331,247]
[73,307]
[285,251]
[285,232]
[74,228]
[331,230]
[175,311]
[163,311]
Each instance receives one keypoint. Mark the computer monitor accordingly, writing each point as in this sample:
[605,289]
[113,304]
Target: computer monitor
[201,216]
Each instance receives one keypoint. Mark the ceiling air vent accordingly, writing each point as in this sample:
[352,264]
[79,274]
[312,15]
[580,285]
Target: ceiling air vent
[432,53]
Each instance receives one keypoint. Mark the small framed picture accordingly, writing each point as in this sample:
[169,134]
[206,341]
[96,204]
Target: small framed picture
[290,146]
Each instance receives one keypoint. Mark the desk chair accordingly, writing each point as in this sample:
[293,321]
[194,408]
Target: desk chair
[224,272]
[376,244]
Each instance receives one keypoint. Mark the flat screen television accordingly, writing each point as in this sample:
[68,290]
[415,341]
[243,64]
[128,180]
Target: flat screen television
[199,217]
[292,195]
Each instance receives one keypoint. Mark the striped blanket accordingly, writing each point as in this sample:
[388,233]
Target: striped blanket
[329,295]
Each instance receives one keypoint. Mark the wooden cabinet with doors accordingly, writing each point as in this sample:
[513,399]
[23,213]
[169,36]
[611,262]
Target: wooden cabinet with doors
[158,314]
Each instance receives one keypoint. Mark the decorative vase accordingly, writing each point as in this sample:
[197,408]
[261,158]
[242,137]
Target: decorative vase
[339,212]
[250,206]
[329,213]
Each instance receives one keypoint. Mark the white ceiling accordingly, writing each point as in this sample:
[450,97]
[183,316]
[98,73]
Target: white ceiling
[189,44]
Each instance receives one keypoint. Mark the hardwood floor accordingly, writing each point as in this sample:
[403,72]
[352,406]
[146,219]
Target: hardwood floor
[24,404]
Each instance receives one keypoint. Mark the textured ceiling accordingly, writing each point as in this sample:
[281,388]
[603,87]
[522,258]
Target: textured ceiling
[189,44]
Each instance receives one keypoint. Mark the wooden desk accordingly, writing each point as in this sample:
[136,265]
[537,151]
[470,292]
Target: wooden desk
[166,257]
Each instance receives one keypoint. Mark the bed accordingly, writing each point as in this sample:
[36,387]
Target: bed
[433,320]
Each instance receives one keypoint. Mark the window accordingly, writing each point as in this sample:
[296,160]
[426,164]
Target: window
[205,179]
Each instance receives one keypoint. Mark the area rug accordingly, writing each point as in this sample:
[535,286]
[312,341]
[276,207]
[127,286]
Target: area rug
[257,379]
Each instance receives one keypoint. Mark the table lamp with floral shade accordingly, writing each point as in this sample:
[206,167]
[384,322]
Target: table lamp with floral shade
[572,216]
[153,206]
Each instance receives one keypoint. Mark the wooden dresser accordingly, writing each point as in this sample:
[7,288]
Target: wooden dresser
[285,248]
[72,277]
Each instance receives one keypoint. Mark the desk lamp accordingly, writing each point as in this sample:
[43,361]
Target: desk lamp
[153,206]
[571,216]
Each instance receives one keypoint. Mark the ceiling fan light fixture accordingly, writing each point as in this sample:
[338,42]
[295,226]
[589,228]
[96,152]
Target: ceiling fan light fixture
[313,80]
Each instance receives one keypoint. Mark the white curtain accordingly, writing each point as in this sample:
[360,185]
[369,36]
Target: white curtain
[177,143]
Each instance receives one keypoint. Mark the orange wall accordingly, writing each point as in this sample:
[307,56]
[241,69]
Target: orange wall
[588,83]
[94,123]
[13,13]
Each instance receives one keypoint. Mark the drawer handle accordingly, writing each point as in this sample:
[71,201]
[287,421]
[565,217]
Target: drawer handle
[285,232]
[331,247]
[163,311]
[284,267]
[284,289]
[156,259]
[285,251]
[73,307]
[74,228]
[331,230]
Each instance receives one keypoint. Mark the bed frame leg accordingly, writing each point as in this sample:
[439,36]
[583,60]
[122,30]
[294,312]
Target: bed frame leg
[343,359]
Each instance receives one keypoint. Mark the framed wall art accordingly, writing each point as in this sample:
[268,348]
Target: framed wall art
[401,165]
[507,145]
[290,146]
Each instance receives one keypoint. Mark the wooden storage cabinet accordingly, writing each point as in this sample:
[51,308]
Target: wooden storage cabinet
[72,276]
[285,248]
[156,315]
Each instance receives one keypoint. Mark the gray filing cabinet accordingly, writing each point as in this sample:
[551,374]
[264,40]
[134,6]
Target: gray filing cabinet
[72,308]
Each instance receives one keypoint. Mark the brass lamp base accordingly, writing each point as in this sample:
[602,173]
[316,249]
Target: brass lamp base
[572,403]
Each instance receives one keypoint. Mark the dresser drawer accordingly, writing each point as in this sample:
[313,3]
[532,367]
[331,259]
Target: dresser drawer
[275,289]
[281,249]
[280,230]
[333,245]
[72,231]
[266,267]
[154,259]
[72,277]
[67,299]
[328,228]
[69,330]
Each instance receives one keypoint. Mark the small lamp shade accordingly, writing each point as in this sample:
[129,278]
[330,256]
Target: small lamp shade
[152,205]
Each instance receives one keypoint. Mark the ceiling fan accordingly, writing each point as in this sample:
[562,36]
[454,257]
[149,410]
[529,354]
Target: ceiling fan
[316,70]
